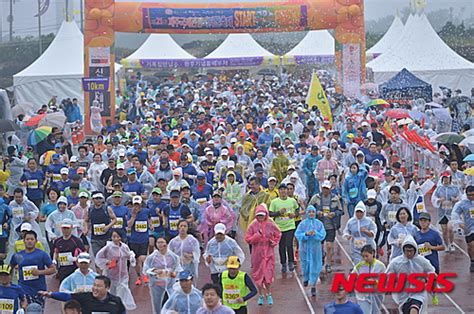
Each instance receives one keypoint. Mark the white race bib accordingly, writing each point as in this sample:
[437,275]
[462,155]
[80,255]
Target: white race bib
[392,216]
[28,273]
[420,207]
[99,229]
[423,250]
[18,212]
[56,177]
[65,259]
[155,222]
[119,223]
[32,184]
[83,288]
[360,242]
[471,212]
[7,306]
[326,210]
[174,224]
[141,226]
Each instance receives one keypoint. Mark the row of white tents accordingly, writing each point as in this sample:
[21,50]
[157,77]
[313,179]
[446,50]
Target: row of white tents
[414,46]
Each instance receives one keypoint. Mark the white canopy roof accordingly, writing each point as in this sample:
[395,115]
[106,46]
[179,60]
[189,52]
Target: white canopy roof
[160,46]
[315,43]
[424,53]
[390,38]
[238,46]
[58,71]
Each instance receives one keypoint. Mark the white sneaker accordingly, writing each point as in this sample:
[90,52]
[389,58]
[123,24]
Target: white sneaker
[451,247]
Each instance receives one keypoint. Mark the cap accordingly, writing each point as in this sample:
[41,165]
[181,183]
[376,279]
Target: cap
[201,175]
[209,152]
[120,167]
[233,262]
[121,153]
[131,171]
[314,147]
[425,215]
[56,156]
[73,159]
[231,164]
[291,167]
[224,152]
[272,179]
[26,226]
[157,191]
[84,194]
[177,172]
[62,199]
[58,145]
[185,275]
[217,193]
[175,132]
[175,193]
[81,170]
[375,161]
[365,123]
[371,194]
[98,195]
[5,269]
[137,199]
[282,186]
[260,214]
[326,184]
[64,170]
[233,140]
[117,194]
[67,223]
[360,153]
[83,258]
[259,170]
[75,186]
[219,228]
[350,135]
[211,142]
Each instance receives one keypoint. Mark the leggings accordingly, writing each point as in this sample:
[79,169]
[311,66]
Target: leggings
[286,247]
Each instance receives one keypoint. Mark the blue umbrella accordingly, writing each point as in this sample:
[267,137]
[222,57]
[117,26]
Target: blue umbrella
[469,158]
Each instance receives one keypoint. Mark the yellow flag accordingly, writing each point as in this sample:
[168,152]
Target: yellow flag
[317,97]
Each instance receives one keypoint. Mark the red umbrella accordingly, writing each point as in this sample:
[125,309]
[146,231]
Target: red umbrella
[35,120]
[397,113]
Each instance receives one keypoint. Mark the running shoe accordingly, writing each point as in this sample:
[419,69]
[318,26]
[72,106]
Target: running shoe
[471,269]
[313,291]
[146,279]
[139,281]
[328,268]
[291,266]
[284,268]
[260,300]
[435,300]
[297,255]
[305,283]
[451,247]
[269,299]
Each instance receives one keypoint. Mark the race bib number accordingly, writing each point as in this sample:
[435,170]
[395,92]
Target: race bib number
[471,212]
[392,216]
[7,306]
[326,210]
[327,173]
[231,294]
[99,229]
[353,193]
[174,224]
[56,177]
[201,201]
[141,226]
[32,184]
[423,250]
[155,222]
[65,259]
[119,223]
[360,242]
[83,288]
[18,212]
[28,273]
[420,207]
[446,205]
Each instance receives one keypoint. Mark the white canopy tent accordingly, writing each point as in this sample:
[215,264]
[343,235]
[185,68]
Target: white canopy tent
[58,71]
[239,46]
[390,38]
[423,52]
[157,47]
[315,43]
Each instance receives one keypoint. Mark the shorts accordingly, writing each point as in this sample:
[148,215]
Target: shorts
[96,245]
[3,245]
[411,303]
[470,238]
[330,235]
[443,221]
[140,249]
[155,235]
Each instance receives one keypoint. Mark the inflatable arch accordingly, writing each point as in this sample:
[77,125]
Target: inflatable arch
[105,17]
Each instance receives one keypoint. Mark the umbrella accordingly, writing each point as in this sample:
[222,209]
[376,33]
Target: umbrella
[35,120]
[467,140]
[38,135]
[8,125]
[469,158]
[469,172]
[404,121]
[417,115]
[397,113]
[378,102]
[54,119]
[469,133]
[434,105]
[448,138]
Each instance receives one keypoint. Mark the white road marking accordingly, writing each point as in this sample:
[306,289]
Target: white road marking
[310,306]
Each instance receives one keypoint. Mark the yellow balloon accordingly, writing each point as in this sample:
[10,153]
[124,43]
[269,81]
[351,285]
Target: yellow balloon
[95,14]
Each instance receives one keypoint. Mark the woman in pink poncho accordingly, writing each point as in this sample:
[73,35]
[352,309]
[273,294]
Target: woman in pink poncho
[263,235]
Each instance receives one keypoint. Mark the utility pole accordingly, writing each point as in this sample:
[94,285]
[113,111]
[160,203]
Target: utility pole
[67,11]
[10,20]
[81,4]
[39,28]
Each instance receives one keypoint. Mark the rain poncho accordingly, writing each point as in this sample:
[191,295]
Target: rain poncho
[263,236]
[311,254]
[354,189]
[417,264]
[397,235]
[358,238]
[188,251]
[309,165]
[444,198]
[118,274]
[78,282]
[24,212]
[279,167]
[300,188]
[54,221]
[220,251]
[212,216]
[463,212]
[389,212]
[183,303]
[247,209]
[370,303]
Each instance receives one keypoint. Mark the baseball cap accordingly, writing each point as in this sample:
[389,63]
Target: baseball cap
[73,159]
[259,170]
[272,179]
[64,170]
[58,145]
[350,135]
[62,199]
[121,153]
[233,262]
[224,152]
[117,194]
[233,140]
[67,223]
[201,175]
[131,171]
[282,186]
[84,194]
[98,195]
[371,194]
[219,228]
[425,215]
[84,258]
[81,170]
[291,167]
[121,166]
[175,193]
[217,193]
[157,191]
[185,275]
[137,199]
[56,156]
[231,164]
[326,184]
[26,226]
[209,152]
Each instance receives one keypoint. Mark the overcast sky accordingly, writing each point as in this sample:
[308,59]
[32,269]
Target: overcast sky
[26,24]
